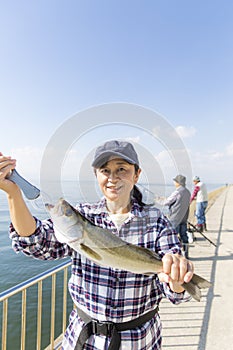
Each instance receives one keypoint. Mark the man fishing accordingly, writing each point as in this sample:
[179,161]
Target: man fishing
[201,195]
[178,204]
[115,308]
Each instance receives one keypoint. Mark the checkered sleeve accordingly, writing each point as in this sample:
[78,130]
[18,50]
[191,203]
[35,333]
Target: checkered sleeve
[42,244]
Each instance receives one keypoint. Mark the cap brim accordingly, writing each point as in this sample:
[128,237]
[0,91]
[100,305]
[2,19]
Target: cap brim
[105,156]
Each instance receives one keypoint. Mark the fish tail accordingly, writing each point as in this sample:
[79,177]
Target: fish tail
[195,285]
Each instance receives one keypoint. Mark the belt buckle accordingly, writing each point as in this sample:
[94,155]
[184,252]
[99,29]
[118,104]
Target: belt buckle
[104,328]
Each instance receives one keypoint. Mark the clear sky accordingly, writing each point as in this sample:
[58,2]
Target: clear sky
[174,57]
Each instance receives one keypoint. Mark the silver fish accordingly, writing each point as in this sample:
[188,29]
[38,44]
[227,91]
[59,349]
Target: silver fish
[106,249]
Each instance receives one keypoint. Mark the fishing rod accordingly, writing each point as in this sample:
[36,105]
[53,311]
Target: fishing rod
[199,231]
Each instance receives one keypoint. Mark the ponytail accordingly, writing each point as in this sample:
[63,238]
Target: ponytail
[136,194]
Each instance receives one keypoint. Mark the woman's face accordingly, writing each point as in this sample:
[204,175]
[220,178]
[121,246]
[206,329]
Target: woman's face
[116,179]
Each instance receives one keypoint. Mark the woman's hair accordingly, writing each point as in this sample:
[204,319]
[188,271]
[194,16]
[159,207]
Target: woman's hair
[136,193]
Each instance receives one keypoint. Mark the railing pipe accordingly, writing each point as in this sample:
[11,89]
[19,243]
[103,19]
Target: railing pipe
[22,288]
[31,281]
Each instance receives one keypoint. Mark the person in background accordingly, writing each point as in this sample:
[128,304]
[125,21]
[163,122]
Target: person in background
[200,194]
[108,298]
[178,204]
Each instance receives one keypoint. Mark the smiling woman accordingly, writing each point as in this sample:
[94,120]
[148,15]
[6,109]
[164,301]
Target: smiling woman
[116,179]
[117,170]
[125,302]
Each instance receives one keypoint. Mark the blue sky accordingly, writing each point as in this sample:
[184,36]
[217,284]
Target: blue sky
[173,57]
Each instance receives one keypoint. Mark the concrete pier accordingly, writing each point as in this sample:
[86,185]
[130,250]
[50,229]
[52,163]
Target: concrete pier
[208,324]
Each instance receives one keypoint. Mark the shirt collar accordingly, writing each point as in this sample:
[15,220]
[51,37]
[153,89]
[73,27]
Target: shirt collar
[136,209]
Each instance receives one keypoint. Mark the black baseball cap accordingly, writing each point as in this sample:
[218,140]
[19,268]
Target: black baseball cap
[115,149]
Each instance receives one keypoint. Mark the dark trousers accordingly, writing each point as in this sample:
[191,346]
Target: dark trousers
[181,229]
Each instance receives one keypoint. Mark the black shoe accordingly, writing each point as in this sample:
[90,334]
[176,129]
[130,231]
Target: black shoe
[199,227]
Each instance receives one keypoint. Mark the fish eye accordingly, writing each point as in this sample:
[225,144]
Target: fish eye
[68,211]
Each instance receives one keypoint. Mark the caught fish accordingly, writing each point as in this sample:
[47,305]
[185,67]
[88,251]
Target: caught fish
[106,249]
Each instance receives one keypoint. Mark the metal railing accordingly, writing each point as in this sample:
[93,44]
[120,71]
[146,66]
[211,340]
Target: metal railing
[23,289]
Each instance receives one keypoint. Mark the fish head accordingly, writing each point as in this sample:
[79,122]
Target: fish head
[65,220]
[61,208]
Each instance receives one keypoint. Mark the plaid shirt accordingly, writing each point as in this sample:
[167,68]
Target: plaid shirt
[108,294]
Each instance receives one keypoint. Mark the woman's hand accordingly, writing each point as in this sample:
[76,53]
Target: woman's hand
[23,222]
[7,164]
[176,270]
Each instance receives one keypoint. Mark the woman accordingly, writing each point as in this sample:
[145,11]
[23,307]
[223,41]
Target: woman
[119,308]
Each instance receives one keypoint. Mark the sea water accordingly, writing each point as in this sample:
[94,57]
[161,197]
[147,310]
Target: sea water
[16,268]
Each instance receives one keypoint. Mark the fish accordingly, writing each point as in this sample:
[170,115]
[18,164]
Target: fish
[107,249]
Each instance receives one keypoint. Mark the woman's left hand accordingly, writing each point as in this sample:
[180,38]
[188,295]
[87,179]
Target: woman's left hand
[176,270]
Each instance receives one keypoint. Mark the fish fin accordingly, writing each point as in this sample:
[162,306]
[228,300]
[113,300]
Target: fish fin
[195,285]
[201,282]
[90,252]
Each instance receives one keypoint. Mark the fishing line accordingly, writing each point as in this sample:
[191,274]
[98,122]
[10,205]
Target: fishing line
[38,203]
[36,197]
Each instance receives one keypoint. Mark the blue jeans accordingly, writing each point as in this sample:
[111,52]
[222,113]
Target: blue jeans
[200,212]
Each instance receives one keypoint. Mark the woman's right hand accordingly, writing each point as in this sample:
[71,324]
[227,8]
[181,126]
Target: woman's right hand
[7,164]
[22,220]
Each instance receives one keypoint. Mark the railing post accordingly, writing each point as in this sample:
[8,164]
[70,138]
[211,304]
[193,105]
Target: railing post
[4,324]
[65,281]
[53,305]
[23,319]
[39,316]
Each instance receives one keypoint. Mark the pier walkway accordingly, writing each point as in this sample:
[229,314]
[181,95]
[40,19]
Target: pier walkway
[208,324]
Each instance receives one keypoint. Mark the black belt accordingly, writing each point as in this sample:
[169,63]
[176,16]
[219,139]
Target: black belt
[109,329]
